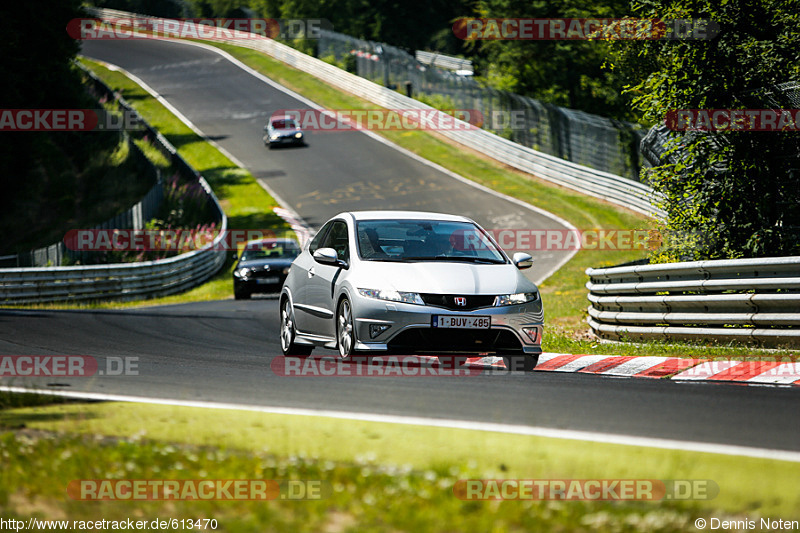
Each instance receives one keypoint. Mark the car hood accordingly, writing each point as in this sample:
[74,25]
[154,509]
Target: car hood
[441,278]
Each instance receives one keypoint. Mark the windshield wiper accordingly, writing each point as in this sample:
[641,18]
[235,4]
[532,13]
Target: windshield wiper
[456,258]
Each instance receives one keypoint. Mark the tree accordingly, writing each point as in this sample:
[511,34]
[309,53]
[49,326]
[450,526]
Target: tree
[572,74]
[36,54]
[734,193]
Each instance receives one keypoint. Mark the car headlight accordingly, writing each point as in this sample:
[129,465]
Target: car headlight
[274,137]
[298,135]
[243,272]
[516,299]
[392,296]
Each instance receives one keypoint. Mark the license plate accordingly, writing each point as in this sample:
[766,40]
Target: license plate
[268,281]
[461,322]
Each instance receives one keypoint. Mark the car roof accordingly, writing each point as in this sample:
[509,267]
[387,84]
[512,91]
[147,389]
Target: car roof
[405,215]
[257,242]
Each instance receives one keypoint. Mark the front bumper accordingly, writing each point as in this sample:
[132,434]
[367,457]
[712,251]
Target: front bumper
[410,328]
[285,140]
[259,285]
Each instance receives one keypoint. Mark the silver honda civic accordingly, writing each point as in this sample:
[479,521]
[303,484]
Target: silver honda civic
[378,282]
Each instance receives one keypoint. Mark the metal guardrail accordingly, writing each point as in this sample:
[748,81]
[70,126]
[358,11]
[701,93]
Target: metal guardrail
[122,281]
[615,189]
[444,61]
[756,300]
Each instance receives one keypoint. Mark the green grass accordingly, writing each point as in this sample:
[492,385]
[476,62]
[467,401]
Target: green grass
[383,476]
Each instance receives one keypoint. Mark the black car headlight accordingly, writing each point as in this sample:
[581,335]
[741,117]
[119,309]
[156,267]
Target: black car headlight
[515,299]
[242,272]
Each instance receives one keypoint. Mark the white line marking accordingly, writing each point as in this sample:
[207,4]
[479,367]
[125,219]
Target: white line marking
[581,362]
[704,371]
[783,373]
[634,366]
[590,436]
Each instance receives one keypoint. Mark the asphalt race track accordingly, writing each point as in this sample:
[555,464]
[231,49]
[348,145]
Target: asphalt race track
[221,351]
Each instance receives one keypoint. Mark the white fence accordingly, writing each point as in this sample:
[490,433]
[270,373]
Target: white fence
[742,300]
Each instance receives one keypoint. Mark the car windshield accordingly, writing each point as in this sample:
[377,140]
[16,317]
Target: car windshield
[284,124]
[425,240]
[271,251]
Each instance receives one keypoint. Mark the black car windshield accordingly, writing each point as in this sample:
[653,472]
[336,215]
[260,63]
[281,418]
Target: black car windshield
[425,240]
[284,124]
[271,251]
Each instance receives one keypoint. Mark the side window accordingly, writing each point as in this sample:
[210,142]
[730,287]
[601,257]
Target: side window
[337,239]
[315,242]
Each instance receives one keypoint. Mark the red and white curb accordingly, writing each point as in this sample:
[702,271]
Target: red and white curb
[674,368]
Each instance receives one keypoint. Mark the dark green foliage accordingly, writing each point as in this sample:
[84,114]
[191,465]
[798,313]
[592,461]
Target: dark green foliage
[728,194]
[572,74]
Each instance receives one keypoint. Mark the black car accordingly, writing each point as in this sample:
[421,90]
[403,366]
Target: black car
[263,266]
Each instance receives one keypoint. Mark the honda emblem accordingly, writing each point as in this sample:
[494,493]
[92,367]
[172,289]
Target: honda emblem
[461,301]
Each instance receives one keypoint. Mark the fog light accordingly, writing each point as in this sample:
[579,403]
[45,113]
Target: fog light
[533,334]
[375,330]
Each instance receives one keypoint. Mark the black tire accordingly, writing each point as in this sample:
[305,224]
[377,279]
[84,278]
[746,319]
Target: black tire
[452,362]
[289,332]
[241,295]
[345,331]
[521,362]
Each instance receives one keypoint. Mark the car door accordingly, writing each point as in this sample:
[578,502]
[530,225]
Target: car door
[322,282]
[303,270]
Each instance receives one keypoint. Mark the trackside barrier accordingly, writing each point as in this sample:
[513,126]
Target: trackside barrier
[750,300]
[122,281]
[615,189]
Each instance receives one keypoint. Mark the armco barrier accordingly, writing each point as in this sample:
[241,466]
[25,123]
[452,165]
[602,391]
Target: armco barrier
[755,300]
[615,189]
[122,281]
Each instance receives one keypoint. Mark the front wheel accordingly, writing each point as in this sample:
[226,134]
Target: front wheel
[241,294]
[521,362]
[345,331]
[289,333]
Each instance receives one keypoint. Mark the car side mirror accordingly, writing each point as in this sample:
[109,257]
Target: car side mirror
[522,260]
[328,256]
[266,128]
